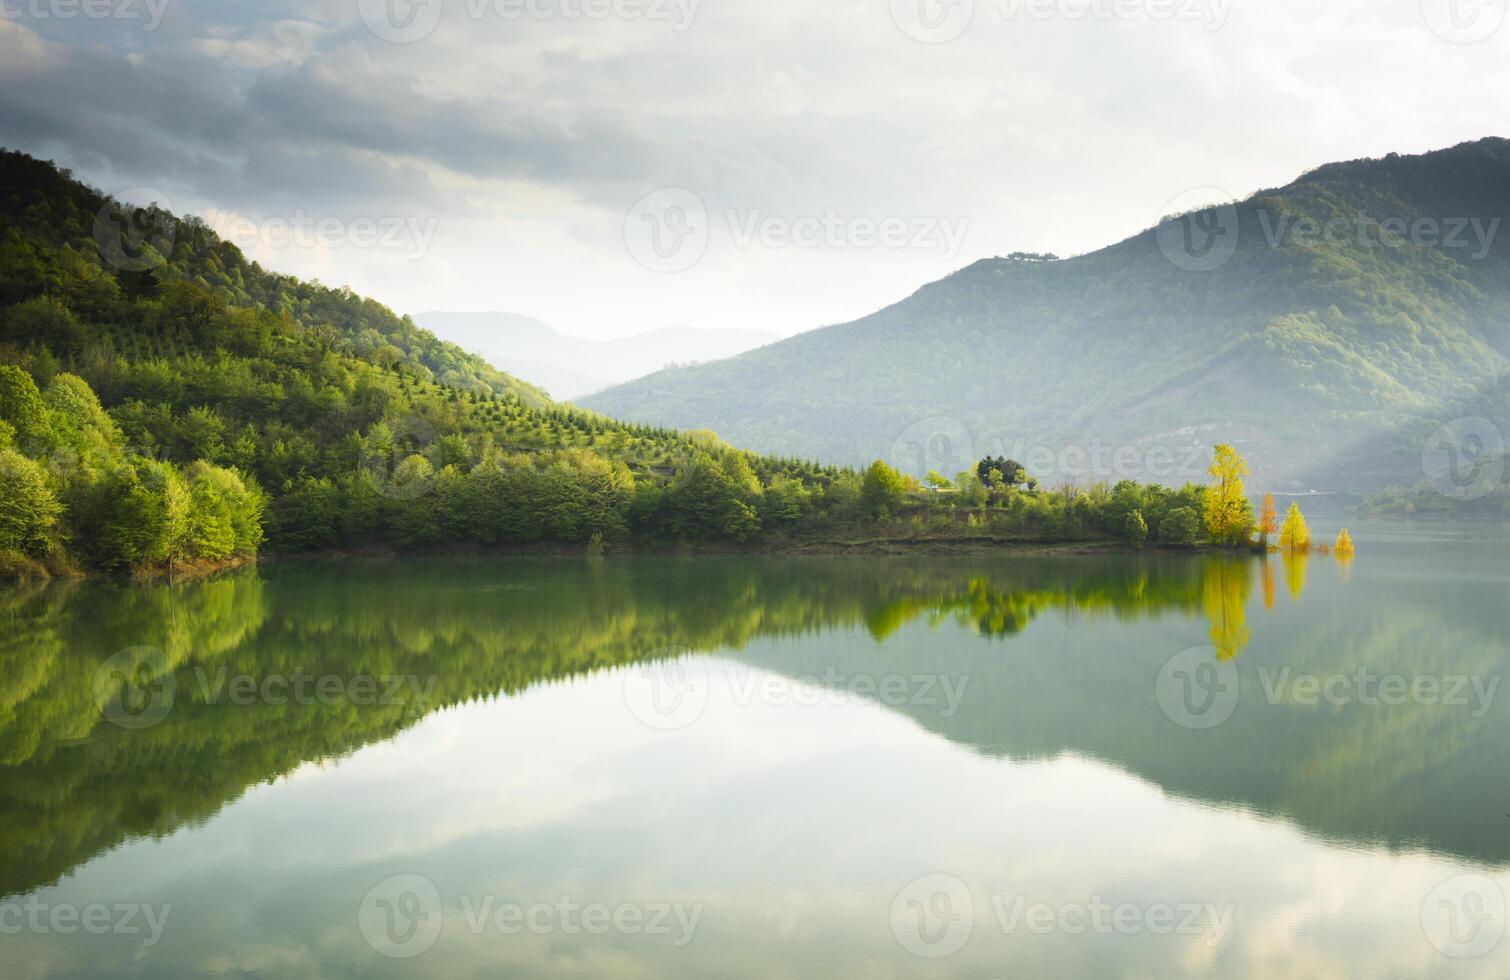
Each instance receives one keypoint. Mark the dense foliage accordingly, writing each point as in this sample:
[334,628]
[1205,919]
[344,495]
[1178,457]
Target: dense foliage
[1326,353]
[358,427]
[164,401]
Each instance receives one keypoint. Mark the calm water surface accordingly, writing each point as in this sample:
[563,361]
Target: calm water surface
[971,767]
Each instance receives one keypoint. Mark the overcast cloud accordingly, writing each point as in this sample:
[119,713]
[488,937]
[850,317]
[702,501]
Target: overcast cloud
[823,159]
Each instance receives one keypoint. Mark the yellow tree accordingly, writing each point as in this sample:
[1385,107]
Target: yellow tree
[1268,519]
[1293,534]
[1227,511]
[1343,547]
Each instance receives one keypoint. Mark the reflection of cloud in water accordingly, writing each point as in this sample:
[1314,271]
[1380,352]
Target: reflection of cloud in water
[789,825]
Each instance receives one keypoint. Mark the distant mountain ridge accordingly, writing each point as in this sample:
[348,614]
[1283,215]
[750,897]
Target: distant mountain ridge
[568,366]
[1325,328]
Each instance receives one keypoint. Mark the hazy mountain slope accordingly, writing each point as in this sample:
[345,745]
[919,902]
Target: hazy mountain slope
[1309,351]
[569,366]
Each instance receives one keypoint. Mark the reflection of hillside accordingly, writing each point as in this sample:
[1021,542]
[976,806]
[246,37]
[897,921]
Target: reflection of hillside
[1402,775]
[72,784]
[1079,679]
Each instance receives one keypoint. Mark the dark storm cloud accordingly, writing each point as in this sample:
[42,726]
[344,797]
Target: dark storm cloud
[342,130]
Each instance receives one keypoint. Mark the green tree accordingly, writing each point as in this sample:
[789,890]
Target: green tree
[881,491]
[971,489]
[21,405]
[28,509]
[1181,526]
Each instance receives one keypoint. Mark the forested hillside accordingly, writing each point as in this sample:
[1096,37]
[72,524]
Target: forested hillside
[163,401]
[1359,308]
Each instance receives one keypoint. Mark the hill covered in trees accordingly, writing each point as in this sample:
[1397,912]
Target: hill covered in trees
[165,400]
[1325,329]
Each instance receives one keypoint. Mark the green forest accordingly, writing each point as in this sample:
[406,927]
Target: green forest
[167,404]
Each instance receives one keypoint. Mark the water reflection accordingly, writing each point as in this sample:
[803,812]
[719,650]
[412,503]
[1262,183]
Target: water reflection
[1060,656]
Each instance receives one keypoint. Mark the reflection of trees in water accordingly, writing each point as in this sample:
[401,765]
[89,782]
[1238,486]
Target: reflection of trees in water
[1295,572]
[1225,597]
[72,784]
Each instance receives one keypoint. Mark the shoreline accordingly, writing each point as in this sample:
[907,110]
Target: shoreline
[870,547]
[878,547]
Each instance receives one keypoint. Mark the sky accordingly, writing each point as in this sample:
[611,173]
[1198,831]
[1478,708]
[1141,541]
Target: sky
[615,166]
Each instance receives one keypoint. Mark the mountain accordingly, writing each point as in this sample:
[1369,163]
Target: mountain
[1325,328]
[567,366]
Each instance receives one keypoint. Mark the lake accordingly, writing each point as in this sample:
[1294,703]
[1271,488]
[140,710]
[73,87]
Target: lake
[1006,766]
